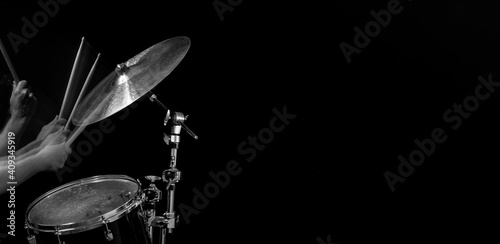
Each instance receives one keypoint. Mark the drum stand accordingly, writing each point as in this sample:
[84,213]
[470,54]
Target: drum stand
[171,176]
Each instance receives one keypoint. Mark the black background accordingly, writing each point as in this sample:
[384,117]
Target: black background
[323,175]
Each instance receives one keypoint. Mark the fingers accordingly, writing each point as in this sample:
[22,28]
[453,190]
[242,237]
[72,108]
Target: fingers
[31,99]
[23,89]
[53,157]
[67,149]
[20,86]
[61,131]
[22,94]
[60,157]
[58,121]
[61,122]
[56,124]
[65,133]
[56,137]
[22,100]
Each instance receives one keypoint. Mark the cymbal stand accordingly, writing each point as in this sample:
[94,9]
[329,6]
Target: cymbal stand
[172,175]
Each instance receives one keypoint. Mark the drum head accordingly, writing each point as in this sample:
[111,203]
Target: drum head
[83,200]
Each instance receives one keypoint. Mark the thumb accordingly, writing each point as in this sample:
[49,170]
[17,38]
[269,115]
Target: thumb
[21,85]
[67,149]
[65,133]
[61,122]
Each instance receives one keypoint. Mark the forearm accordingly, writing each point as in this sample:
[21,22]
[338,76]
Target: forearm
[29,150]
[13,127]
[21,169]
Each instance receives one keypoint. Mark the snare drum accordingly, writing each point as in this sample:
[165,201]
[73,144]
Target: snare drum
[98,210]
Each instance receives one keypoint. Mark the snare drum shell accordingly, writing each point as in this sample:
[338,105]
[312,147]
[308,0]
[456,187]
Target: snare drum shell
[119,194]
[129,229]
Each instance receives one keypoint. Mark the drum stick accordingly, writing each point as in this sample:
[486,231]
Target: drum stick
[74,135]
[71,77]
[80,129]
[87,81]
[9,63]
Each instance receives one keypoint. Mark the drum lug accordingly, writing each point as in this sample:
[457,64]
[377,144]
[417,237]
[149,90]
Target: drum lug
[58,233]
[107,233]
[59,240]
[31,238]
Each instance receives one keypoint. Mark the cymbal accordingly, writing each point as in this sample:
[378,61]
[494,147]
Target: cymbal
[131,80]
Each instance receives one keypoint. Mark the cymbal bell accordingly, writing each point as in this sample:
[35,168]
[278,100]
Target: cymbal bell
[131,80]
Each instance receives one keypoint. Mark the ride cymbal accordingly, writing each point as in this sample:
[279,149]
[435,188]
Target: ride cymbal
[131,80]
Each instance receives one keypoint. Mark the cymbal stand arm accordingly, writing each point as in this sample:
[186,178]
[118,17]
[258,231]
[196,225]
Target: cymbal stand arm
[153,98]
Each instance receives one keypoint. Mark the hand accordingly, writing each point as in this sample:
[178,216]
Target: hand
[53,157]
[54,151]
[55,138]
[55,125]
[22,102]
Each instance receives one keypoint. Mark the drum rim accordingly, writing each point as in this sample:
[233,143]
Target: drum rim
[89,224]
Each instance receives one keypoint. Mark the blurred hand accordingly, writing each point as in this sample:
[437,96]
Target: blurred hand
[22,101]
[53,157]
[54,152]
[55,138]
[55,125]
